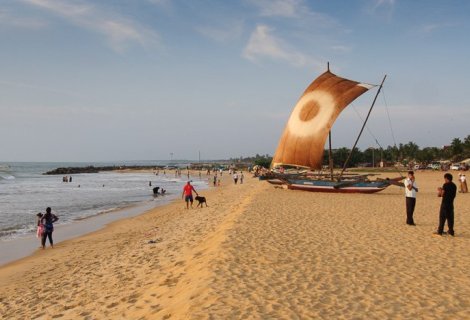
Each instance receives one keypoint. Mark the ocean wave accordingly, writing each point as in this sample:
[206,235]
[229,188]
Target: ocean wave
[15,231]
[100,212]
[7,177]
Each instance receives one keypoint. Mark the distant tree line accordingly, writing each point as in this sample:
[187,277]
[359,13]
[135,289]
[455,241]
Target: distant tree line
[456,151]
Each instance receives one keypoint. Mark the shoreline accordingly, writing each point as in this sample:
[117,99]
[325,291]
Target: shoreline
[25,245]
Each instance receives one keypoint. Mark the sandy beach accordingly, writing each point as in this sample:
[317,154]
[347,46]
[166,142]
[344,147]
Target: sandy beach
[257,252]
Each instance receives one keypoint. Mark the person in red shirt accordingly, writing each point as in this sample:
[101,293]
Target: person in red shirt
[188,194]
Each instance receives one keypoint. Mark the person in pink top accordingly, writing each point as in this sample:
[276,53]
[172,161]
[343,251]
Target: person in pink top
[188,194]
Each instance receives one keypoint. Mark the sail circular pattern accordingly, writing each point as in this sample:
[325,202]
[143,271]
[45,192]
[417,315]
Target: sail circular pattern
[311,113]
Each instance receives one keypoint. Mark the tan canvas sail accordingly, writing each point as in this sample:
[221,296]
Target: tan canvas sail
[303,140]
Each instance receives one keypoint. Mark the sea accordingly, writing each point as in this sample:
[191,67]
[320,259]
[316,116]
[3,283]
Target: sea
[26,191]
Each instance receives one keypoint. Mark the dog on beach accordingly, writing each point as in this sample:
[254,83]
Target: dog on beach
[201,201]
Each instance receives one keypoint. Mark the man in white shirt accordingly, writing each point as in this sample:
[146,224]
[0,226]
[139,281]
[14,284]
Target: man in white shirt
[235,177]
[410,192]
[463,183]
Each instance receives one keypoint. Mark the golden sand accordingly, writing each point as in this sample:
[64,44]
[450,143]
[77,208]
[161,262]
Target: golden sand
[257,252]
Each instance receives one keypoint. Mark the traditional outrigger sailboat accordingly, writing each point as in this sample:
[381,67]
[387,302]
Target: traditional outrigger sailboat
[303,140]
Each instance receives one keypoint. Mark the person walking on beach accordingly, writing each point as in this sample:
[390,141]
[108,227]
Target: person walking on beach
[410,193]
[241,177]
[48,220]
[447,192]
[235,177]
[188,194]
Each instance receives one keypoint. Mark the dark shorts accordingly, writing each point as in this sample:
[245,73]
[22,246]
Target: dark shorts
[188,198]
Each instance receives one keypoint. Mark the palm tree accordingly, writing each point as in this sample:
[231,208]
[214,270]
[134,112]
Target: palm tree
[457,148]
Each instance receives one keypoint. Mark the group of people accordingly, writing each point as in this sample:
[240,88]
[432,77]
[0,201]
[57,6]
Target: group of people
[447,192]
[216,180]
[45,226]
[236,176]
[156,192]
[67,179]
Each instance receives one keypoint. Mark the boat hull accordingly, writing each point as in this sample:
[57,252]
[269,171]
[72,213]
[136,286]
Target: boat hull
[337,187]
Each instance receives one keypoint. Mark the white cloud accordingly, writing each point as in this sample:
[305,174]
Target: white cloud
[120,32]
[62,7]
[341,48]
[382,3]
[283,8]
[159,2]
[297,10]
[432,27]
[381,8]
[223,33]
[263,44]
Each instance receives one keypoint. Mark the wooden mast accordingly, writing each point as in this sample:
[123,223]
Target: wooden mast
[362,129]
[330,156]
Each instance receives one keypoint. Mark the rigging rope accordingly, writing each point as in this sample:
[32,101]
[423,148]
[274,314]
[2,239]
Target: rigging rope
[368,130]
[391,129]
[389,120]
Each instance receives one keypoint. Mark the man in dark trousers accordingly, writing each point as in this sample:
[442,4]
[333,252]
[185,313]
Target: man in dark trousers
[410,193]
[447,192]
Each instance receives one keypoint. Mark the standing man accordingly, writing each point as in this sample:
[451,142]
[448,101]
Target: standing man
[410,192]
[188,194]
[447,192]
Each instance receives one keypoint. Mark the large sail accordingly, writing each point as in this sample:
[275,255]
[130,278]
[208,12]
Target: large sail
[303,140]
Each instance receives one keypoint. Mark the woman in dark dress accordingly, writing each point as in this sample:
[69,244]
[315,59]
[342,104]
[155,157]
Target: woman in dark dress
[47,220]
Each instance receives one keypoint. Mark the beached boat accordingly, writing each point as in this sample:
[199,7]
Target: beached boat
[302,142]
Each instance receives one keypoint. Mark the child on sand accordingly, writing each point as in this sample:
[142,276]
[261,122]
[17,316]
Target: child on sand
[40,226]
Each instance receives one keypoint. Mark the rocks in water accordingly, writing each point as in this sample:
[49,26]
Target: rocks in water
[93,169]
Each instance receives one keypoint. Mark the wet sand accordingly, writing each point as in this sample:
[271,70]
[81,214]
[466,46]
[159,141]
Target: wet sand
[257,252]
[14,249]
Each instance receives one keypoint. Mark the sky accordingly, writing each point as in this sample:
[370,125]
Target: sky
[116,80]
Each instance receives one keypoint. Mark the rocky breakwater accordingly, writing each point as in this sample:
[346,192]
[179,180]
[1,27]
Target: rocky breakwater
[93,169]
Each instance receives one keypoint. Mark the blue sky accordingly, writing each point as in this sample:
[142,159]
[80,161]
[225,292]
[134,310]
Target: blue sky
[138,80]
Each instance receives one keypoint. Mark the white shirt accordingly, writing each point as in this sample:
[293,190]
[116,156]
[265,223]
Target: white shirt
[410,193]
[462,178]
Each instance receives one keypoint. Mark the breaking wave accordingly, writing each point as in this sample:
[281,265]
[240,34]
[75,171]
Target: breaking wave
[6,177]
